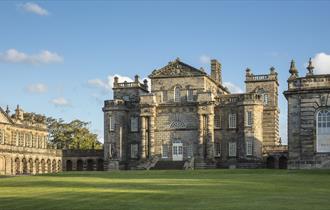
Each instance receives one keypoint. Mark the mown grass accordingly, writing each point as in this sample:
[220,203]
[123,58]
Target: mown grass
[199,189]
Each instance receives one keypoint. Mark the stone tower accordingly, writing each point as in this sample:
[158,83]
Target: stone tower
[266,86]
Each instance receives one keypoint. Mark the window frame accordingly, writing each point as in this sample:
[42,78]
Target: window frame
[165,153]
[177,94]
[249,118]
[111,123]
[232,147]
[249,147]
[134,151]
[232,121]
[325,129]
[190,95]
[136,118]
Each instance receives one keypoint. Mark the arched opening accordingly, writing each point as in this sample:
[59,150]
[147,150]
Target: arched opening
[17,166]
[25,166]
[68,165]
[100,165]
[283,162]
[323,131]
[54,166]
[49,166]
[30,166]
[43,166]
[90,165]
[80,165]
[2,166]
[37,165]
[59,166]
[270,162]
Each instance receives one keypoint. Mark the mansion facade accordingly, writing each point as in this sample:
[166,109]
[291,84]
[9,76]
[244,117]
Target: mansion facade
[190,116]
[24,147]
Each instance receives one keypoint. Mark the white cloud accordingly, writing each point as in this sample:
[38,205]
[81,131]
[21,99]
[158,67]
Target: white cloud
[232,87]
[34,8]
[37,88]
[44,57]
[60,102]
[321,62]
[204,59]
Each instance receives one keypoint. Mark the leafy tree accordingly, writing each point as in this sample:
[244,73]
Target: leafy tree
[72,135]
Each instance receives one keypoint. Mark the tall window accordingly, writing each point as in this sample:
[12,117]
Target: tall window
[249,118]
[190,150]
[249,147]
[164,96]
[2,136]
[134,124]
[232,149]
[111,123]
[217,120]
[217,149]
[177,94]
[134,151]
[265,98]
[323,131]
[232,120]
[165,151]
[190,95]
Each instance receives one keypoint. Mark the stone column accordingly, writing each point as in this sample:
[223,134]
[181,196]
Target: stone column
[152,135]
[201,137]
[210,136]
[143,137]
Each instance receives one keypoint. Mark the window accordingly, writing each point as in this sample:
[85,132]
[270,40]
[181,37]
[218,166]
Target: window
[111,123]
[249,147]
[134,124]
[217,120]
[265,98]
[232,120]
[2,136]
[249,118]
[164,151]
[134,151]
[217,149]
[323,131]
[190,96]
[164,96]
[232,149]
[190,150]
[177,94]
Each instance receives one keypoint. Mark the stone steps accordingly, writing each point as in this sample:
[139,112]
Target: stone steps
[169,165]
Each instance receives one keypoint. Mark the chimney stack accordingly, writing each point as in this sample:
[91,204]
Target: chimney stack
[216,70]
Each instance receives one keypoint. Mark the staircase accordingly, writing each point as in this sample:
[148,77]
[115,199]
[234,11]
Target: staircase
[205,165]
[169,165]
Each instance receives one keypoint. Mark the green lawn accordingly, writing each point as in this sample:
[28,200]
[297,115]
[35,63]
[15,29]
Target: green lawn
[199,189]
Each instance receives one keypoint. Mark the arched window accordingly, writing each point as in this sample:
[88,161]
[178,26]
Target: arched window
[323,131]
[177,94]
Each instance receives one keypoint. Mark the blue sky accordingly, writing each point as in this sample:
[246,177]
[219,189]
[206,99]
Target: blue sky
[57,57]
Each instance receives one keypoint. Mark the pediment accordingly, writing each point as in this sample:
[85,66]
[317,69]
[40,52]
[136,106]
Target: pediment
[4,117]
[177,69]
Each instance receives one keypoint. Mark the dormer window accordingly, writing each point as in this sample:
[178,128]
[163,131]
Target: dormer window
[177,94]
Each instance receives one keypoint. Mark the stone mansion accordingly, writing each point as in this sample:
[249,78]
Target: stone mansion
[190,116]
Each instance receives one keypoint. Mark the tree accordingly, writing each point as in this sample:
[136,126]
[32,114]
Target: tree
[73,135]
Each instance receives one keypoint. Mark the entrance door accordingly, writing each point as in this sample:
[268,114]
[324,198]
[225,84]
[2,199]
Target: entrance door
[177,152]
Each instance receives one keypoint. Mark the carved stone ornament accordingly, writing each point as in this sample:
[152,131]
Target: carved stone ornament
[177,68]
